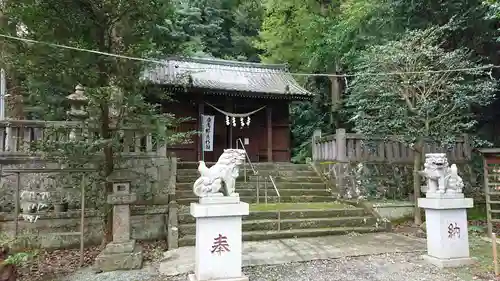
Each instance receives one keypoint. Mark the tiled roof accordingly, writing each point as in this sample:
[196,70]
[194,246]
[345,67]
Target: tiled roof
[226,75]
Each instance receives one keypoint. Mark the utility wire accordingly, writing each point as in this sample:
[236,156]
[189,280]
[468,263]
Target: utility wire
[490,67]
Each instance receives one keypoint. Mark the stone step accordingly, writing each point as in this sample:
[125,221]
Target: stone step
[192,178]
[251,178]
[289,224]
[257,166]
[270,199]
[253,185]
[186,218]
[283,173]
[248,192]
[303,179]
[189,240]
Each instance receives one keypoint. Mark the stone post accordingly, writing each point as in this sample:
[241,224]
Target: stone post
[341,159]
[122,253]
[446,214]
[218,238]
[315,137]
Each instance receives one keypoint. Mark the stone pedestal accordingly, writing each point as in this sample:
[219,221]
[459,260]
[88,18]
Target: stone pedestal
[123,252]
[218,238]
[447,231]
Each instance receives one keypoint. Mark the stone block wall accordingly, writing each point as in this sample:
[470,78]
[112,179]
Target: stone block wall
[153,182]
[51,230]
[149,222]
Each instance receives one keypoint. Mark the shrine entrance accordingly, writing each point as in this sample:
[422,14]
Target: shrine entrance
[239,127]
[229,101]
[491,170]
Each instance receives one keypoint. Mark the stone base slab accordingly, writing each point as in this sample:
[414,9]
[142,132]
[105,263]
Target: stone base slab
[119,247]
[220,210]
[445,204]
[106,261]
[219,198]
[446,195]
[192,277]
[444,263]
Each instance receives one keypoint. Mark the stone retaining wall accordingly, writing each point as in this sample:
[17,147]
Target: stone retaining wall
[148,223]
[394,210]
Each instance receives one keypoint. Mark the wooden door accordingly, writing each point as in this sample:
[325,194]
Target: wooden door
[249,140]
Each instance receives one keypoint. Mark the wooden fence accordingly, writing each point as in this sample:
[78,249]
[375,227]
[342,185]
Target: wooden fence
[355,148]
[16,136]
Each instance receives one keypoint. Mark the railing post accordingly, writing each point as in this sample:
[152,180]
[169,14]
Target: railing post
[341,147]
[265,191]
[17,203]
[245,169]
[315,137]
[279,220]
[258,189]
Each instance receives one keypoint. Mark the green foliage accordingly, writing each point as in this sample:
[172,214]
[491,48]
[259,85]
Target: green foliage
[476,229]
[47,75]
[221,28]
[282,36]
[417,105]
[318,37]
[330,36]
[115,90]
[16,258]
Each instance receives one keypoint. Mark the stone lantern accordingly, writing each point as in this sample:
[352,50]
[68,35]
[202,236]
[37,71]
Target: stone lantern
[78,101]
[123,252]
[77,112]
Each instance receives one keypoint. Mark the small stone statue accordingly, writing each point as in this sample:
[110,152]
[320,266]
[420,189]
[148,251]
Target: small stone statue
[226,170]
[453,181]
[440,177]
[435,168]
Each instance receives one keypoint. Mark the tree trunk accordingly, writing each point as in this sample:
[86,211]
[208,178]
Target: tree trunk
[106,135]
[335,98]
[108,168]
[417,163]
[14,103]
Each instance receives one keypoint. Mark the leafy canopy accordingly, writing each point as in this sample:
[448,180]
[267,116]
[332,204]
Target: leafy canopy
[412,104]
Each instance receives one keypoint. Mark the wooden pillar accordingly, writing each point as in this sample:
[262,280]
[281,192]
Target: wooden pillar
[199,142]
[269,121]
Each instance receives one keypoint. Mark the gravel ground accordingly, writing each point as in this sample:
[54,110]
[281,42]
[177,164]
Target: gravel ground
[387,267]
[146,274]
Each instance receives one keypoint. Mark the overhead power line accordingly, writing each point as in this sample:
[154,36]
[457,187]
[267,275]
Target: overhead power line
[485,67]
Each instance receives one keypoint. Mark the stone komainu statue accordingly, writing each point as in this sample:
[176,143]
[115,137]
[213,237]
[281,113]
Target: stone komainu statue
[441,178]
[222,174]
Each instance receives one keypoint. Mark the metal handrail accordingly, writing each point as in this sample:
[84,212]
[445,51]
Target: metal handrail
[275,188]
[247,157]
[279,201]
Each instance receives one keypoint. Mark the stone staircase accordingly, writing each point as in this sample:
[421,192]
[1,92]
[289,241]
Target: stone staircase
[305,207]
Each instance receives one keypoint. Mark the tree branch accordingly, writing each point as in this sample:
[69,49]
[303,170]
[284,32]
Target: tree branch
[444,114]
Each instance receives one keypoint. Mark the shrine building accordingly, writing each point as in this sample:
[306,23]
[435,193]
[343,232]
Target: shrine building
[231,103]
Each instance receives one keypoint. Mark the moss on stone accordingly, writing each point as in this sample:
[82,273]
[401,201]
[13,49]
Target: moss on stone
[298,206]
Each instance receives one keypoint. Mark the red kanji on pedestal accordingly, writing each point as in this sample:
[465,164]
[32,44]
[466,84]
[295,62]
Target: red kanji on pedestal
[220,245]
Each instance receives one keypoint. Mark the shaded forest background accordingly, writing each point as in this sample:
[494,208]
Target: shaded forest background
[312,36]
